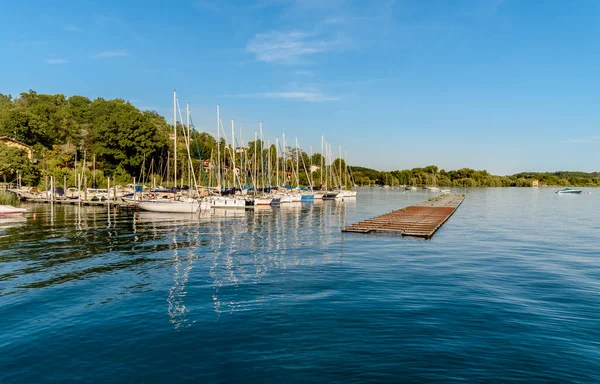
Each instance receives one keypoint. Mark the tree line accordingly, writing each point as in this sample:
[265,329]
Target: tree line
[467,177]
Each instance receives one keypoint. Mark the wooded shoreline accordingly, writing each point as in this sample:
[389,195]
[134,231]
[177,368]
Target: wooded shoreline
[66,136]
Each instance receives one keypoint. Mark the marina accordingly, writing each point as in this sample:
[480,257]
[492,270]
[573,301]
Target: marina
[421,220]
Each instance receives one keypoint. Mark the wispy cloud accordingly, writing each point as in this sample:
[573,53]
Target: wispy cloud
[55,60]
[108,54]
[585,140]
[287,47]
[303,73]
[115,22]
[71,28]
[309,96]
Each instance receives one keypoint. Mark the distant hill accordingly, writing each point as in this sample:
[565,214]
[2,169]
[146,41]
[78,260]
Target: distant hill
[561,174]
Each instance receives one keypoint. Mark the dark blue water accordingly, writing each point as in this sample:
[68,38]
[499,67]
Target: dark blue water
[507,291]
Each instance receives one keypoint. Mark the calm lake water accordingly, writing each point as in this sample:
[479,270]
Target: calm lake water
[507,290]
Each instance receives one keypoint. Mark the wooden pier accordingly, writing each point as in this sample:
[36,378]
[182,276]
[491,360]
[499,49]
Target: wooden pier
[421,220]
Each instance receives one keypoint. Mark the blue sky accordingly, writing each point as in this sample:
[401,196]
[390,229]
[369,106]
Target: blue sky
[505,86]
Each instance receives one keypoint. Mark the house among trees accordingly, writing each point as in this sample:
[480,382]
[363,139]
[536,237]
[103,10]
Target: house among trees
[17,144]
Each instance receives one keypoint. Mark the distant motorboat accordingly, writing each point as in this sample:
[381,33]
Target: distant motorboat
[10,210]
[569,191]
[445,191]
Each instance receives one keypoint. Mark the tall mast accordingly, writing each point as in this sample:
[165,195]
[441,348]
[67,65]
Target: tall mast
[326,182]
[218,149]
[284,163]
[322,157]
[310,169]
[187,142]
[269,162]
[255,181]
[297,166]
[346,173]
[262,167]
[340,167]
[175,135]
[233,150]
[277,160]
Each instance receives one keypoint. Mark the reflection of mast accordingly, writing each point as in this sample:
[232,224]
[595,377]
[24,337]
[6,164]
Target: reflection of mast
[177,309]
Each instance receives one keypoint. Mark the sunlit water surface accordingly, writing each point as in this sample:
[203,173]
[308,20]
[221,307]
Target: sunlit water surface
[507,290]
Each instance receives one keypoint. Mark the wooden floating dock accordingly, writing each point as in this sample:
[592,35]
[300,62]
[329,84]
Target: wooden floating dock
[421,220]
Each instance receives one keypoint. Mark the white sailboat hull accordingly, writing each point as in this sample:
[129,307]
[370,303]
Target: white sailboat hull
[226,202]
[263,200]
[170,206]
[284,198]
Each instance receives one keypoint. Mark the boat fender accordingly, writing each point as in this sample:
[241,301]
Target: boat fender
[150,195]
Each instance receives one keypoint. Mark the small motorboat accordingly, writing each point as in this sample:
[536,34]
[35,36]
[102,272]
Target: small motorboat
[10,210]
[569,191]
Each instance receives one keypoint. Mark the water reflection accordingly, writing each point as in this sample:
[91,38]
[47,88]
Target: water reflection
[55,245]
[13,221]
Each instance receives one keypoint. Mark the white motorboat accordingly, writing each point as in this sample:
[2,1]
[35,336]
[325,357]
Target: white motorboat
[569,191]
[10,210]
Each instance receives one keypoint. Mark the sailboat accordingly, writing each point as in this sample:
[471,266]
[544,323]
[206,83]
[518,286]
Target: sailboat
[226,201]
[180,204]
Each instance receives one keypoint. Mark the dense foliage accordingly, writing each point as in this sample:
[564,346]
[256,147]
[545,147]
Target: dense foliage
[63,131]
